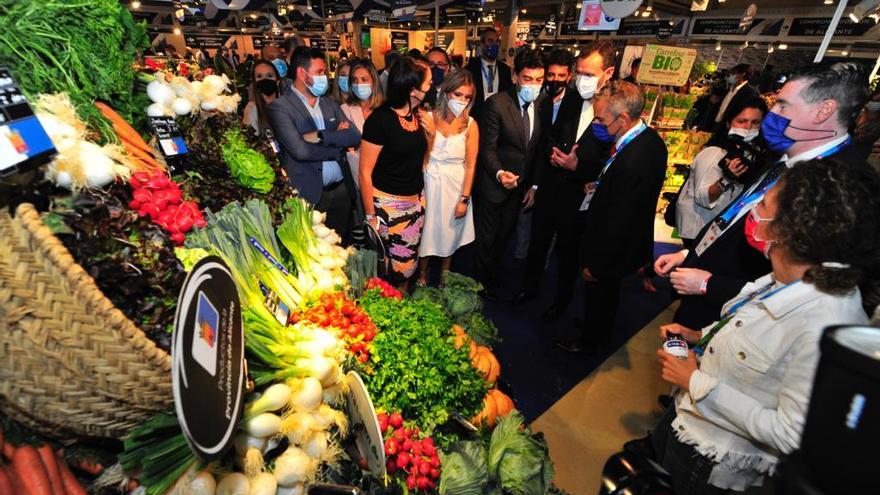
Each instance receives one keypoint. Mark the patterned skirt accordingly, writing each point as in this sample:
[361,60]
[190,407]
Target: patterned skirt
[400,226]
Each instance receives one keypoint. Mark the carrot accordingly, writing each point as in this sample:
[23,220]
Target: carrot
[89,466]
[30,470]
[127,143]
[122,128]
[52,469]
[71,485]
[8,451]
[5,483]
[149,161]
[13,478]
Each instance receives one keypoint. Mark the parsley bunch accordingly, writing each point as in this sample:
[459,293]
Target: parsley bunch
[416,368]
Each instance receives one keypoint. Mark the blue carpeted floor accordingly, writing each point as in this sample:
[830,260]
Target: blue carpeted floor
[535,371]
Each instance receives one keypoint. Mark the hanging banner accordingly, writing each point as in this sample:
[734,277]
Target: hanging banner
[699,5]
[666,65]
[400,41]
[620,8]
[550,25]
[748,17]
[205,41]
[444,39]
[719,26]
[649,28]
[592,18]
[326,45]
[376,15]
[535,31]
[522,33]
[403,10]
[664,30]
[816,26]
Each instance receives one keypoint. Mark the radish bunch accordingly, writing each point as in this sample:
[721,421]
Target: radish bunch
[160,198]
[384,287]
[408,454]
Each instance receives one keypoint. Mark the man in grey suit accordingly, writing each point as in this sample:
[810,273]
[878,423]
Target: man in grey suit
[313,133]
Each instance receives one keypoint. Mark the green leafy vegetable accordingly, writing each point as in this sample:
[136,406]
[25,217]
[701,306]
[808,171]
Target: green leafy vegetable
[416,369]
[460,299]
[159,451]
[518,461]
[464,469]
[249,167]
[85,48]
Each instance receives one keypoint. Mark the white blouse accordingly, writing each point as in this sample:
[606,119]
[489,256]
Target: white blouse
[694,209]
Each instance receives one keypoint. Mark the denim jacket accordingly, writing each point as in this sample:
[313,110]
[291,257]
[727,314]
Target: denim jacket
[748,401]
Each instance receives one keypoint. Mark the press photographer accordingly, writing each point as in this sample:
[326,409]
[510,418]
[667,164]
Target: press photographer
[730,161]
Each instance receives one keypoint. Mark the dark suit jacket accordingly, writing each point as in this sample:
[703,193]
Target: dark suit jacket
[503,146]
[619,225]
[290,119]
[502,73]
[732,263]
[591,152]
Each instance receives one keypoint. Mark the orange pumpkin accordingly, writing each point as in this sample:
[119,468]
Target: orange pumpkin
[473,349]
[461,338]
[487,364]
[496,405]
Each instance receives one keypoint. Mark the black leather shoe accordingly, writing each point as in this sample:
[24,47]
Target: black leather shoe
[489,295]
[553,313]
[522,298]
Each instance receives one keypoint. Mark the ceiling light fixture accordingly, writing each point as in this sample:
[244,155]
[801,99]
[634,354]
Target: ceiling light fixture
[863,9]
[135,4]
[828,2]
[770,48]
[718,46]
[176,30]
[783,46]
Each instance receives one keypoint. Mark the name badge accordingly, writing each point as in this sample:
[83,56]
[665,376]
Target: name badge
[591,191]
[712,234]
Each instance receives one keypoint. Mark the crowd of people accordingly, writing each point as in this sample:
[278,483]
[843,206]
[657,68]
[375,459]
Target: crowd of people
[780,216]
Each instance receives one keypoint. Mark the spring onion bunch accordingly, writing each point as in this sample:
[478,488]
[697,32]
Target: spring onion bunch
[314,248]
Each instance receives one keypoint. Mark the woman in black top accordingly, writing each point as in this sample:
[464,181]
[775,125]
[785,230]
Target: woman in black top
[393,149]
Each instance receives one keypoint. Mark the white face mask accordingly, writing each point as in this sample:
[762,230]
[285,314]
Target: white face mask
[731,79]
[457,107]
[746,134]
[587,86]
[873,106]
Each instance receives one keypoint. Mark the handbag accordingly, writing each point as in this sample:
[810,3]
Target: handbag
[373,241]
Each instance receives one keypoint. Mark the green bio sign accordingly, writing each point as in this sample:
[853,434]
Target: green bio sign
[666,65]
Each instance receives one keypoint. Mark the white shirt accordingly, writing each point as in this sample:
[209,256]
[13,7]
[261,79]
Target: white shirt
[585,119]
[557,102]
[485,68]
[726,101]
[748,401]
[694,209]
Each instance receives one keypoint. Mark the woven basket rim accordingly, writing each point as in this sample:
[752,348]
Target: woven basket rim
[85,286]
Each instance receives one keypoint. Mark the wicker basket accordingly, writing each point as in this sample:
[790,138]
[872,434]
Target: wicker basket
[71,364]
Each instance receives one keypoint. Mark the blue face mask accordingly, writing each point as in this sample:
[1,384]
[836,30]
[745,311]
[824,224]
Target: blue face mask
[362,91]
[773,127]
[529,92]
[281,66]
[492,52]
[319,85]
[342,81]
[601,132]
[437,76]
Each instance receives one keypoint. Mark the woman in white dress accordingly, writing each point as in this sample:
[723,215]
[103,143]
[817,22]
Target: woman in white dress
[365,95]
[449,174]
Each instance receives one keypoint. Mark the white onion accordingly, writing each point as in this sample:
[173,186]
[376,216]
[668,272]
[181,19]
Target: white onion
[263,484]
[316,445]
[243,442]
[181,106]
[156,110]
[203,484]
[234,484]
[297,489]
[294,466]
[210,104]
[160,93]
[307,392]
[263,425]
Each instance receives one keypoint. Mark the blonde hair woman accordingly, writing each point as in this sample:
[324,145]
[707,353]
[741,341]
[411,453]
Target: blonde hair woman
[449,174]
[365,95]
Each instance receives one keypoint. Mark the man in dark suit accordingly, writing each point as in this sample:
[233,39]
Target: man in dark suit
[572,156]
[738,89]
[313,132]
[811,118]
[509,141]
[619,209]
[490,75]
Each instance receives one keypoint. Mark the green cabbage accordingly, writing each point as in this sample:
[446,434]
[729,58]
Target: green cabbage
[247,166]
[464,469]
[519,461]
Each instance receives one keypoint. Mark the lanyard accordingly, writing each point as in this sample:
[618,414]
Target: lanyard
[732,212]
[725,319]
[641,128]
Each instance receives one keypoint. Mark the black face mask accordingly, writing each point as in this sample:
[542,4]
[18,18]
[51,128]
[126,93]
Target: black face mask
[268,87]
[554,87]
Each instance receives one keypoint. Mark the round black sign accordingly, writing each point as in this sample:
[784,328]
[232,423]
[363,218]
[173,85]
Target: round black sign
[208,358]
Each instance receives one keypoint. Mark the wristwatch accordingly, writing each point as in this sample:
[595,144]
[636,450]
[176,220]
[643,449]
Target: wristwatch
[724,183]
[320,137]
[465,199]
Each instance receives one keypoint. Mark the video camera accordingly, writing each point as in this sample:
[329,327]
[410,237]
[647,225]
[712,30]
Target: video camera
[751,154]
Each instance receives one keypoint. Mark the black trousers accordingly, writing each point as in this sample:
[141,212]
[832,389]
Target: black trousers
[689,469]
[336,203]
[555,213]
[494,224]
[600,309]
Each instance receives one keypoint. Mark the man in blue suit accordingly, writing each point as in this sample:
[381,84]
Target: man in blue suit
[313,133]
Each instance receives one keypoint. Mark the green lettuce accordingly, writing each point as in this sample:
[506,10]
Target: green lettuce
[247,166]
[464,469]
[519,461]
